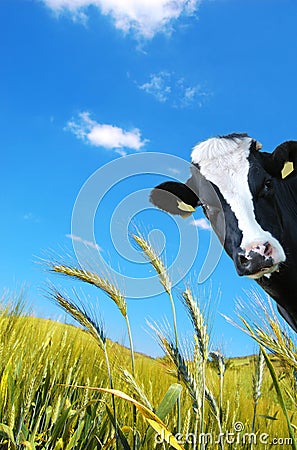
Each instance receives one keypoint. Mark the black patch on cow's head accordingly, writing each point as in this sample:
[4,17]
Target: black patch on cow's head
[274,197]
[274,162]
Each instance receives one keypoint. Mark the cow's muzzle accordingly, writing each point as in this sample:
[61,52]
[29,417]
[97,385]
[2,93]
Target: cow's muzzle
[257,261]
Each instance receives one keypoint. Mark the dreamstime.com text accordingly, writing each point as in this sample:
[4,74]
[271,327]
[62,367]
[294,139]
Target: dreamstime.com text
[237,436]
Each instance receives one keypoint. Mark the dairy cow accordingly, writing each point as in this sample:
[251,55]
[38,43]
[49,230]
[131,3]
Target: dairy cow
[250,200]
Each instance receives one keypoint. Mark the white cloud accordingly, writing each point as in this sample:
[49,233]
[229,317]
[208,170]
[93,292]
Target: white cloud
[169,87]
[158,86]
[105,135]
[83,241]
[201,223]
[144,17]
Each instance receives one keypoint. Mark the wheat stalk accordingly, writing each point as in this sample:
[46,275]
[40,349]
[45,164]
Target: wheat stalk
[219,360]
[202,343]
[181,366]
[92,278]
[155,261]
[130,380]
[80,314]
[264,327]
[257,384]
[114,294]
[198,323]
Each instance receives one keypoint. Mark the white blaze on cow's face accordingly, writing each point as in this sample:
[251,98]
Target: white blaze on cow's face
[224,162]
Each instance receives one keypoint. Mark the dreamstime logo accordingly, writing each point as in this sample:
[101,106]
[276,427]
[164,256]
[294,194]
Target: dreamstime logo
[116,177]
[237,436]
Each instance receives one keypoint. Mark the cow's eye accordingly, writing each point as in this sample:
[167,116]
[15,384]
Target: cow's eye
[268,185]
[267,188]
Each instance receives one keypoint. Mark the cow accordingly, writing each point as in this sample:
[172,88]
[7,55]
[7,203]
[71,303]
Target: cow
[250,200]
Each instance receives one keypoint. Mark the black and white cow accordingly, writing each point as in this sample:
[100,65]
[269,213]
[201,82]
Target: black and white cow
[251,206]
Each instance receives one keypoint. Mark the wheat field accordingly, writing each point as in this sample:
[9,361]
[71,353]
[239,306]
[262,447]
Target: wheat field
[69,387]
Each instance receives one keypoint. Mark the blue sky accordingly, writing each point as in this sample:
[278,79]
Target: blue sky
[85,83]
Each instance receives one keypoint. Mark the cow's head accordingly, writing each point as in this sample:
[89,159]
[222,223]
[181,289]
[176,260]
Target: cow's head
[237,187]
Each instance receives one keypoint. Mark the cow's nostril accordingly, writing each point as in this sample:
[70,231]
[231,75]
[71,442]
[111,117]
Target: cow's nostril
[268,249]
[243,260]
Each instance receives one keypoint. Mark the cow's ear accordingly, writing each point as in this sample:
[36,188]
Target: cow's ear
[175,198]
[285,158]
